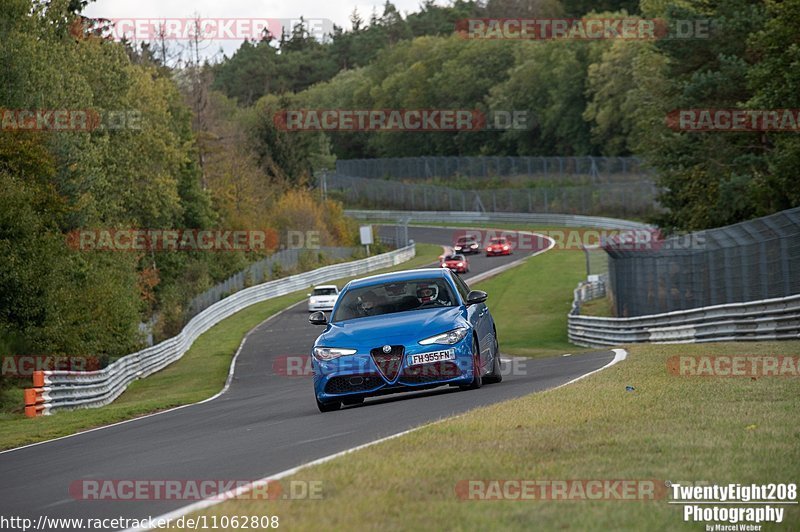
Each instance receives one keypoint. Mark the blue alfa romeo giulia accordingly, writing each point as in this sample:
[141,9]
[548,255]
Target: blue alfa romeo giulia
[403,331]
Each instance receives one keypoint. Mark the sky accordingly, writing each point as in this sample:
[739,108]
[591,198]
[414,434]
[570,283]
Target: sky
[337,11]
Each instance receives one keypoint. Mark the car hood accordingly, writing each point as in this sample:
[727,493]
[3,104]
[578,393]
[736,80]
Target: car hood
[400,327]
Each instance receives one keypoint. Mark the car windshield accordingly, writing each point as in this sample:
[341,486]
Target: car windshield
[465,240]
[324,292]
[454,257]
[398,296]
[497,241]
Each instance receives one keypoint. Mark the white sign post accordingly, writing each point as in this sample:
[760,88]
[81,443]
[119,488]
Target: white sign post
[366,236]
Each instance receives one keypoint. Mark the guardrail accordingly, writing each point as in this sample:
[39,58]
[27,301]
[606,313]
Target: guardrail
[587,291]
[64,390]
[564,220]
[766,319]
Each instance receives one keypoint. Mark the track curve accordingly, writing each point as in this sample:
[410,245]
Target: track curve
[264,423]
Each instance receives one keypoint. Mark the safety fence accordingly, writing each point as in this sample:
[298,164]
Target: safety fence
[629,199]
[63,390]
[276,265]
[477,218]
[596,168]
[753,260]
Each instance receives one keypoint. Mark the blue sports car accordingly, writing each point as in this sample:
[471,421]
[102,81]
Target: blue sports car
[403,331]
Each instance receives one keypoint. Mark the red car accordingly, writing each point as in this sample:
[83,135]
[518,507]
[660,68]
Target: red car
[498,246]
[456,263]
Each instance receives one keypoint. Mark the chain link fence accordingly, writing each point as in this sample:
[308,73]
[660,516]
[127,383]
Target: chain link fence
[623,199]
[276,265]
[595,168]
[753,260]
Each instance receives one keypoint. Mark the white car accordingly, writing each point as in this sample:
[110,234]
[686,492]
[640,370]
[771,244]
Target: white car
[323,297]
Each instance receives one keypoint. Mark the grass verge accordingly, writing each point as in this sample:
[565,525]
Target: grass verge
[718,430]
[199,374]
[530,303]
[598,307]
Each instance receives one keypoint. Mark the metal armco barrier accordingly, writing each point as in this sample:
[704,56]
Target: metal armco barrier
[563,220]
[767,319]
[64,390]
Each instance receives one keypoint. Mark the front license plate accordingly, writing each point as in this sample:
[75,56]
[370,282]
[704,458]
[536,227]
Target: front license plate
[434,356]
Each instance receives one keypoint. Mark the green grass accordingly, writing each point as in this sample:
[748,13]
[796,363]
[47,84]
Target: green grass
[199,374]
[717,430]
[598,307]
[530,303]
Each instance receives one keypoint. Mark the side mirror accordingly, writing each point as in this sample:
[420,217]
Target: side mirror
[476,296]
[309,295]
[318,318]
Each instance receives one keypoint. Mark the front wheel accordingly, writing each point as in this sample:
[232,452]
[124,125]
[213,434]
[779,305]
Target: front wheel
[496,375]
[333,406]
[477,381]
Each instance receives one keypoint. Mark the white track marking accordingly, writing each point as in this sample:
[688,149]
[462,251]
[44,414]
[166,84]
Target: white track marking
[619,356]
[228,381]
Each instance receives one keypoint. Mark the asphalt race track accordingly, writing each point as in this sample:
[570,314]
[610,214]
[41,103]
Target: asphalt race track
[265,423]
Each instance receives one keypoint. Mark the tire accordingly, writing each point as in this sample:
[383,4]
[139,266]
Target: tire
[477,381]
[496,375]
[333,406]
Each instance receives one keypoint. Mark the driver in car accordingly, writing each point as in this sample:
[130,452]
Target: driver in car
[369,304]
[430,295]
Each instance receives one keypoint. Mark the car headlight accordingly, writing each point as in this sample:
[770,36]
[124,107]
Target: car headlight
[329,353]
[448,338]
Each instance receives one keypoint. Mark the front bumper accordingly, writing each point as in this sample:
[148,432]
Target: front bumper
[359,376]
[314,307]
[466,250]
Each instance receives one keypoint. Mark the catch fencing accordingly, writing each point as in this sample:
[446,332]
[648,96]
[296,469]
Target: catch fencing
[477,218]
[64,390]
[754,260]
[276,265]
[627,199]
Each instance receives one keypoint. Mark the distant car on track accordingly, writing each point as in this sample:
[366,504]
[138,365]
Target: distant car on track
[498,246]
[455,263]
[323,297]
[403,331]
[466,244]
